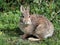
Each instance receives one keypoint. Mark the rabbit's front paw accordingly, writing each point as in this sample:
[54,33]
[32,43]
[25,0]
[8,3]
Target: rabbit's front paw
[24,36]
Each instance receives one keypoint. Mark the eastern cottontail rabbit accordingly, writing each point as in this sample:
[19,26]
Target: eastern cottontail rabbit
[36,25]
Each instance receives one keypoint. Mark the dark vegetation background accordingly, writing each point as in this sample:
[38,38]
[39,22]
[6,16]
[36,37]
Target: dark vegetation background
[10,15]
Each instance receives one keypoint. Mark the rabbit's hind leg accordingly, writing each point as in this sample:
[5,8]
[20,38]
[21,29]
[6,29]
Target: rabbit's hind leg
[35,39]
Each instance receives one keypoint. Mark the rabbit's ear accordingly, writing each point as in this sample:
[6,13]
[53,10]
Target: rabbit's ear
[22,9]
[28,10]
[25,11]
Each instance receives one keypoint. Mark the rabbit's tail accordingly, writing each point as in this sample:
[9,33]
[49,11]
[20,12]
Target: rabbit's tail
[33,39]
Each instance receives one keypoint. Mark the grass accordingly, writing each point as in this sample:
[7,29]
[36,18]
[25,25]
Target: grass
[14,39]
[50,9]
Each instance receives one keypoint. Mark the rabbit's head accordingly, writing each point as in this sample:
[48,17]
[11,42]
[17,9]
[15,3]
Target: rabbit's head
[25,17]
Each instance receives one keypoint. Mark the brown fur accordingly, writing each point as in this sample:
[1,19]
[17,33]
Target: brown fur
[38,26]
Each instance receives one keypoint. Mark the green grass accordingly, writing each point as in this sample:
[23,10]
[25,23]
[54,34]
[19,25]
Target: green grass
[14,39]
[10,15]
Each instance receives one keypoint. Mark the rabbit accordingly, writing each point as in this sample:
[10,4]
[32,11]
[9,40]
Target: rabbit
[33,24]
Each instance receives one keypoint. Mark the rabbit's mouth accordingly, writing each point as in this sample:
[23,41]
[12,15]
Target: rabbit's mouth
[26,25]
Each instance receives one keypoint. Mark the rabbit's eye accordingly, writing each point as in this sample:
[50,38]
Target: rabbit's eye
[29,16]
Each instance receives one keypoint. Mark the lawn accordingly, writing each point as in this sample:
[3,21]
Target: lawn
[10,14]
[13,38]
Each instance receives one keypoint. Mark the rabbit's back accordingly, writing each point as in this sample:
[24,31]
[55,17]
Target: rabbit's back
[44,27]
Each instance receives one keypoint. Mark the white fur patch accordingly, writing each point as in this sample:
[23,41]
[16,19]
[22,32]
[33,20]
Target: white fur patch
[49,35]
[29,21]
[33,39]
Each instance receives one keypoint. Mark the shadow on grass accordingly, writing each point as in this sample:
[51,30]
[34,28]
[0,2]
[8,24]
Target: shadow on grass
[12,32]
